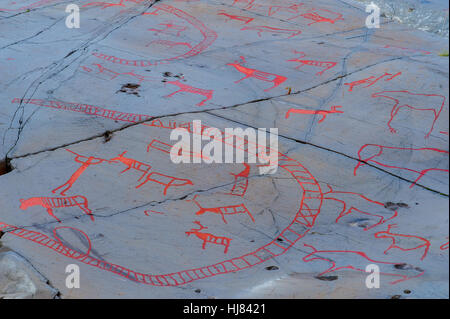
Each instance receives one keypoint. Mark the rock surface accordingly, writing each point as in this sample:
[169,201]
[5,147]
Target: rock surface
[86,116]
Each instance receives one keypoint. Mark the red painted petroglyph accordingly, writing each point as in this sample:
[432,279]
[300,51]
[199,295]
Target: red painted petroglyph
[145,169]
[169,43]
[342,255]
[166,148]
[209,238]
[147,212]
[322,113]
[50,203]
[443,132]
[371,80]
[406,49]
[171,29]
[261,29]
[316,16]
[240,182]
[444,246]
[132,164]
[222,211]
[87,109]
[260,75]
[345,198]
[235,17]
[30,6]
[111,75]
[85,163]
[190,89]
[105,5]
[326,65]
[310,204]
[209,36]
[393,237]
[375,154]
[398,96]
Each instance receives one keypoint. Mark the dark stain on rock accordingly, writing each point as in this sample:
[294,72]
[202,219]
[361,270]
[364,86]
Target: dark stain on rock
[396,297]
[395,206]
[107,136]
[327,278]
[197,291]
[130,88]
[407,291]
[5,167]
[272,268]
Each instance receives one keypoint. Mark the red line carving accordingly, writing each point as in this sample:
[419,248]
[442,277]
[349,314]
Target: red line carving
[190,89]
[235,17]
[335,267]
[31,6]
[322,113]
[260,29]
[112,74]
[166,148]
[51,203]
[209,238]
[170,44]
[321,64]
[443,132]
[376,151]
[209,36]
[444,246]
[222,211]
[108,4]
[166,180]
[240,182]
[309,208]
[87,109]
[132,164]
[371,80]
[170,28]
[85,163]
[317,18]
[411,103]
[294,8]
[407,49]
[152,211]
[357,198]
[392,236]
[260,75]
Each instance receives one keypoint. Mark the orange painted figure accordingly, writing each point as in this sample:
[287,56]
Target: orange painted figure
[85,163]
[235,17]
[393,237]
[323,113]
[190,89]
[379,155]
[51,203]
[209,238]
[339,261]
[433,103]
[170,28]
[261,29]
[347,198]
[132,164]
[371,80]
[260,75]
[222,211]
[317,17]
[240,182]
[326,65]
